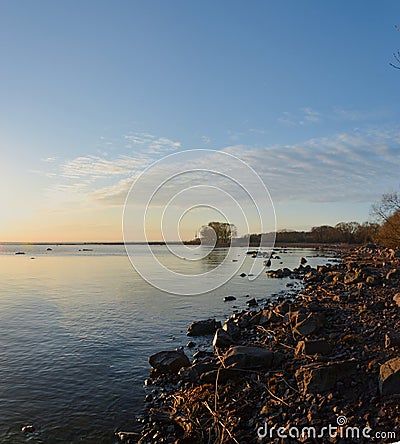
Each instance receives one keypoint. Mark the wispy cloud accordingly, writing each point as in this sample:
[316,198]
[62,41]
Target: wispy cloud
[303,116]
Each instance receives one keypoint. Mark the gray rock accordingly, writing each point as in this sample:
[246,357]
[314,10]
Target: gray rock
[317,378]
[206,327]
[389,377]
[310,325]
[170,361]
[244,357]
[318,346]
[222,339]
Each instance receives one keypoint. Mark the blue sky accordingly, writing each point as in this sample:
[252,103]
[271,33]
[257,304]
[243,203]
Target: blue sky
[92,92]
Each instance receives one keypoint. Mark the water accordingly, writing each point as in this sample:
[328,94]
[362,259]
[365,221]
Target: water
[76,329]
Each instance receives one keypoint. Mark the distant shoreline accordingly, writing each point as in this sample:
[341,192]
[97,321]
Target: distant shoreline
[161,243]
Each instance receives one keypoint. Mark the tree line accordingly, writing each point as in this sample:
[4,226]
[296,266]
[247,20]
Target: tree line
[384,230]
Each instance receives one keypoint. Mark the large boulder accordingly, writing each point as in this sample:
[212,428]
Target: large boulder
[317,378]
[170,361]
[254,358]
[389,377]
[205,327]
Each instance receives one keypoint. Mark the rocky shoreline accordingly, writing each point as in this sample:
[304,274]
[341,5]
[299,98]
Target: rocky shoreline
[322,366]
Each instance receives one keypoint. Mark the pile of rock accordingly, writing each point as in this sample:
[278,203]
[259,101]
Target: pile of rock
[332,351]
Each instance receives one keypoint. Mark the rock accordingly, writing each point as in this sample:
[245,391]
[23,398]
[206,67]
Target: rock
[283,308]
[316,378]
[205,327]
[303,260]
[396,299]
[393,274]
[232,328]
[28,428]
[229,298]
[170,361]
[190,344]
[351,277]
[222,339]
[392,339]
[243,275]
[311,324]
[127,436]
[194,372]
[223,374]
[202,354]
[252,302]
[318,346]
[248,357]
[389,377]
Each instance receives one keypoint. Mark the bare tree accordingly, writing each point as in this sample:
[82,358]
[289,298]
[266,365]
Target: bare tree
[387,212]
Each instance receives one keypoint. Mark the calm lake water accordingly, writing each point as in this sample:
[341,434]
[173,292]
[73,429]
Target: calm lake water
[76,329]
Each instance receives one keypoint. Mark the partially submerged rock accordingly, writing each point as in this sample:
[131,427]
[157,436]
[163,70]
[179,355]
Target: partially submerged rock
[170,361]
[205,327]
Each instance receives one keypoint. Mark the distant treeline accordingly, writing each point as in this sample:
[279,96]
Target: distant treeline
[343,232]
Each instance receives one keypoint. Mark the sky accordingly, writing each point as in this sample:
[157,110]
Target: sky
[93,93]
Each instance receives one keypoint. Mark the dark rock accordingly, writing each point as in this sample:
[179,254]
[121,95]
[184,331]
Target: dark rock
[351,277]
[190,344]
[223,374]
[206,327]
[303,260]
[28,428]
[389,377]
[232,328]
[194,372]
[252,302]
[222,339]
[311,324]
[243,275]
[202,354]
[318,346]
[392,339]
[229,298]
[316,378]
[170,361]
[252,358]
